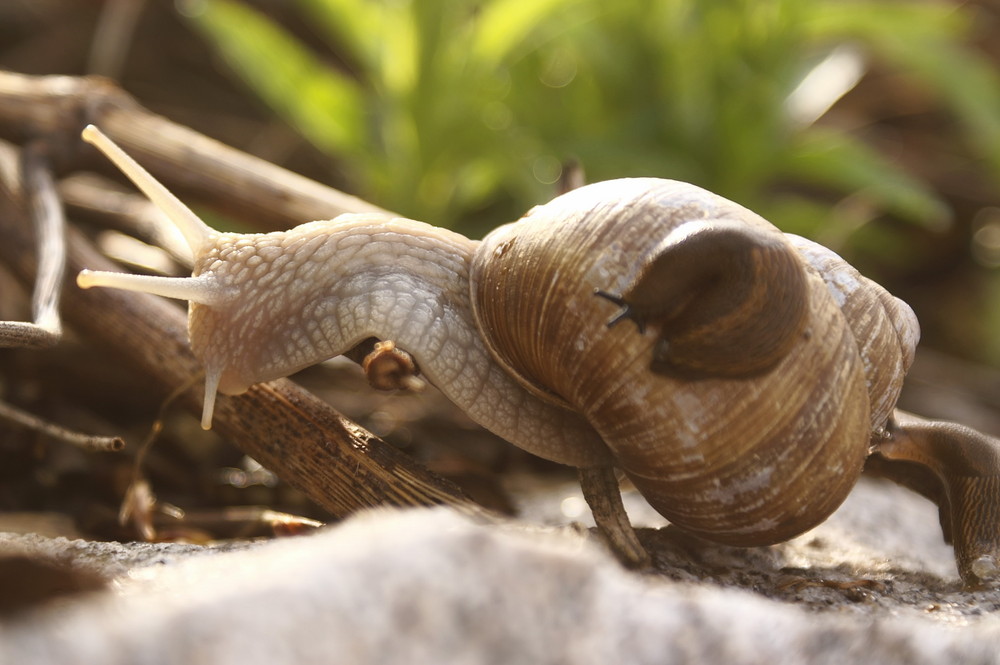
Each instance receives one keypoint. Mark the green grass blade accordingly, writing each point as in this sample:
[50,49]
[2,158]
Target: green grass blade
[833,159]
[324,105]
[350,24]
[504,25]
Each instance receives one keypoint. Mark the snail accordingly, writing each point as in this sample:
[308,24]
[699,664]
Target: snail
[738,376]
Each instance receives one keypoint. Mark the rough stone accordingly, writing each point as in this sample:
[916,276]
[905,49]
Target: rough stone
[428,586]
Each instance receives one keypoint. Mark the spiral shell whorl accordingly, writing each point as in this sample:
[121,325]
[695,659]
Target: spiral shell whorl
[885,328]
[766,459]
[745,461]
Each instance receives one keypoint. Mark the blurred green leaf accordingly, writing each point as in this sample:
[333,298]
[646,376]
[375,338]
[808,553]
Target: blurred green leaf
[970,86]
[350,24]
[878,21]
[845,164]
[504,25]
[925,40]
[463,109]
[323,104]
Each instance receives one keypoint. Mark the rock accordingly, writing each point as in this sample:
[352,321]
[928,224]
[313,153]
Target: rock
[429,586]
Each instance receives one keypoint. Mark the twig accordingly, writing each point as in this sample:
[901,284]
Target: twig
[190,164]
[86,441]
[33,181]
[47,215]
[47,212]
[139,501]
[113,36]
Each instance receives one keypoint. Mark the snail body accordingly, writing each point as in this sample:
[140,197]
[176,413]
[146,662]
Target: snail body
[737,375]
[295,298]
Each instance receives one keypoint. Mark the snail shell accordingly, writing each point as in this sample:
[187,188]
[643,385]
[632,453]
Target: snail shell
[747,458]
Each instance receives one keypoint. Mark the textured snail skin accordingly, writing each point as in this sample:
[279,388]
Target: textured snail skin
[316,291]
[739,376]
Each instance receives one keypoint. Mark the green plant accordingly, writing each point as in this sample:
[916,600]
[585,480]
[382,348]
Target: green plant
[447,109]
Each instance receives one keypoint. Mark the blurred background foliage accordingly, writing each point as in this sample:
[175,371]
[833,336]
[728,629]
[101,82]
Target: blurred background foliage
[446,107]
[870,125]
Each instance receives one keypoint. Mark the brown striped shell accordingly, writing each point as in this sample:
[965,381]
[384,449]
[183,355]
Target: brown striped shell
[885,328]
[743,457]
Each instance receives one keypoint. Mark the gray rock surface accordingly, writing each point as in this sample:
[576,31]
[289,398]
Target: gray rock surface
[428,586]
